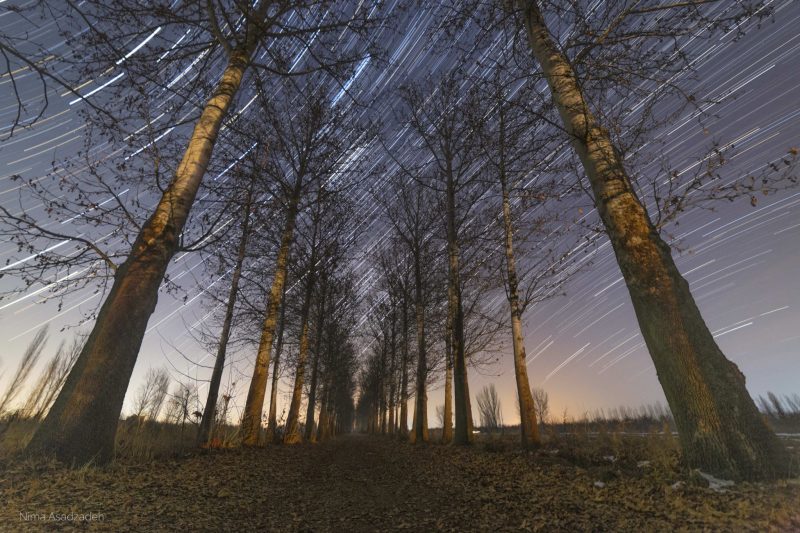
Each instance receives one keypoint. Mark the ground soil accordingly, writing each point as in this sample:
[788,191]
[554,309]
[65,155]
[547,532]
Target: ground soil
[360,483]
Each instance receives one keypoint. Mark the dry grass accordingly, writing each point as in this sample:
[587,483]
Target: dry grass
[138,439]
[360,483]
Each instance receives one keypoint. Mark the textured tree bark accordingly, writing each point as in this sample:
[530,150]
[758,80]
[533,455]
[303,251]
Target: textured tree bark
[393,371]
[529,429]
[404,379]
[412,436]
[463,426]
[719,426]
[310,434]
[391,427]
[447,423]
[272,419]
[82,423]
[333,425]
[324,411]
[323,417]
[420,433]
[210,409]
[292,434]
[382,402]
[254,405]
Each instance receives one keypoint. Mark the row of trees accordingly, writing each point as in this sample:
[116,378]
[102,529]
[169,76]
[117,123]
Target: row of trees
[253,48]
[473,157]
[450,119]
[481,150]
[291,183]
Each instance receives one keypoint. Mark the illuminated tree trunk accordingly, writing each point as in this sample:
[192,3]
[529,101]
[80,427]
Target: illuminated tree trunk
[323,415]
[529,429]
[393,372]
[447,422]
[404,378]
[272,419]
[382,403]
[292,433]
[392,421]
[420,433]
[254,405]
[82,423]
[720,428]
[209,412]
[463,429]
[310,434]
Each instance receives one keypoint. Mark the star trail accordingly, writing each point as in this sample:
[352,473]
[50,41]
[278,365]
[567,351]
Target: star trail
[741,260]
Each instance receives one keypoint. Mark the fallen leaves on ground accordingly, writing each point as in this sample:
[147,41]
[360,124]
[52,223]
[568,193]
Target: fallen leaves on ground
[359,483]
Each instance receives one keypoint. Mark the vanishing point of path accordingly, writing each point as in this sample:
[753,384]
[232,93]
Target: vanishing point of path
[358,483]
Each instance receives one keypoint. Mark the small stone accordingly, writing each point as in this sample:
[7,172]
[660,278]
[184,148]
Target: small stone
[697,480]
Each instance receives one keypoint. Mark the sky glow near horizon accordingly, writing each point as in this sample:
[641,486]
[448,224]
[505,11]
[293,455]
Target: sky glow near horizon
[584,348]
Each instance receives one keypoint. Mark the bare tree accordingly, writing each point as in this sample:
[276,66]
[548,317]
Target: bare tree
[159,396]
[533,268]
[26,364]
[542,404]
[450,143]
[396,286]
[336,240]
[210,408]
[181,403]
[440,415]
[291,434]
[82,422]
[52,379]
[272,419]
[489,408]
[719,425]
[339,364]
[31,67]
[310,433]
[412,222]
[151,394]
[306,148]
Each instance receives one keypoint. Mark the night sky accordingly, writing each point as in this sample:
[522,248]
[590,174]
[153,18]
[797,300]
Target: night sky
[584,348]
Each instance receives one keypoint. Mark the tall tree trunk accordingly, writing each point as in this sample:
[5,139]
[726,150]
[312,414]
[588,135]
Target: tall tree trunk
[323,412]
[382,403]
[272,419]
[393,371]
[292,433]
[310,434]
[82,423]
[404,378]
[254,405]
[447,422]
[392,422]
[463,429]
[720,428]
[209,412]
[529,429]
[421,403]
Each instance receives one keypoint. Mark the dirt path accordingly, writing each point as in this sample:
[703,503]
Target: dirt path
[358,483]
